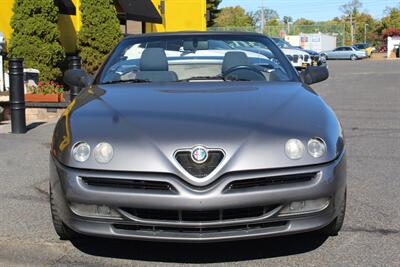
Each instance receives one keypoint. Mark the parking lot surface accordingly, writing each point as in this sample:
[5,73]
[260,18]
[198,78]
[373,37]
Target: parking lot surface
[366,97]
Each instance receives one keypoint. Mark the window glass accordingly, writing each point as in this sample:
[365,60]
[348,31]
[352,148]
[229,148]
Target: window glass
[194,58]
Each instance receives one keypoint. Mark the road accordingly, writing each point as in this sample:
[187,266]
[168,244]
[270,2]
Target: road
[365,96]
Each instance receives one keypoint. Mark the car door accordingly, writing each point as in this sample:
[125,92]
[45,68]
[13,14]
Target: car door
[348,52]
[336,53]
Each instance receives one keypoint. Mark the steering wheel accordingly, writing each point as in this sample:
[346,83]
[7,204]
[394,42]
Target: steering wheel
[252,71]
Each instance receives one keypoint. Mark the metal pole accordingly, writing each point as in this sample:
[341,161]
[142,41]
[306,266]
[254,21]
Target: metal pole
[351,28]
[365,33]
[17,96]
[262,17]
[75,63]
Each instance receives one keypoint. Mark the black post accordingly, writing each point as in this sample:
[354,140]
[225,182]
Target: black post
[74,64]
[17,96]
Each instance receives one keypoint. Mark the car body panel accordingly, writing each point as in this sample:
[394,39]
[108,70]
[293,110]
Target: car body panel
[248,122]
[344,52]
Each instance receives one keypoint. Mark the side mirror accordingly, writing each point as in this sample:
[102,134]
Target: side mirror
[77,78]
[313,75]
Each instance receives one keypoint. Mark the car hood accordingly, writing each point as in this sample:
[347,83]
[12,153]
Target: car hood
[288,51]
[148,123]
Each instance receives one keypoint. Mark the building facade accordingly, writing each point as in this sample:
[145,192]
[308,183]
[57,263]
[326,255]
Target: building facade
[136,16]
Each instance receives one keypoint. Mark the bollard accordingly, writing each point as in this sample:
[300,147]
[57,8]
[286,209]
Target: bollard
[74,64]
[17,97]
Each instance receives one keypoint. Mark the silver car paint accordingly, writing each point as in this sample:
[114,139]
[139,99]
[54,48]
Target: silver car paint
[147,123]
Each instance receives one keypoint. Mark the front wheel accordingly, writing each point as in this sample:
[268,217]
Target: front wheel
[324,57]
[334,227]
[353,57]
[61,229]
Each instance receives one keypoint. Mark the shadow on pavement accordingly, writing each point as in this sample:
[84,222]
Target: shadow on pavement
[200,253]
[33,125]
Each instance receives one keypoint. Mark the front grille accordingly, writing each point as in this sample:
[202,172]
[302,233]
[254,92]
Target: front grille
[199,230]
[200,216]
[296,58]
[306,57]
[315,58]
[268,181]
[129,184]
[199,170]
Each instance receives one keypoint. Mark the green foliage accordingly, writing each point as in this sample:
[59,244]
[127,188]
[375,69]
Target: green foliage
[303,22]
[392,18]
[35,37]
[233,17]
[46,88]
[269,14]
[99,34]
[212,8]
[351,8]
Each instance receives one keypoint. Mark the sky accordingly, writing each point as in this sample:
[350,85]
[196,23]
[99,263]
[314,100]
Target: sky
[312,9]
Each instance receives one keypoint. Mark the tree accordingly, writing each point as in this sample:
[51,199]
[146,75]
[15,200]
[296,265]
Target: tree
[304,22]
[100,32]
[392,18]
[269,14]
[213,11]
[35,37]
[351,8]
[287,20]
[233,17]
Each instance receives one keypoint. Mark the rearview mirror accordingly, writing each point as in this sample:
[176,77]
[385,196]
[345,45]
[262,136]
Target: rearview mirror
[77,78]
[313,75]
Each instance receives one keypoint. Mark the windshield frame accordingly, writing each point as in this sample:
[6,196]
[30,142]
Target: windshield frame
[250,37]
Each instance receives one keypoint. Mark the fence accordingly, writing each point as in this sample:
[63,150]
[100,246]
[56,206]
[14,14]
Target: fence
[338,30]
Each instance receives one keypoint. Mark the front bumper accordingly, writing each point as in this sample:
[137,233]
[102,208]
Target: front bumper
[71,186]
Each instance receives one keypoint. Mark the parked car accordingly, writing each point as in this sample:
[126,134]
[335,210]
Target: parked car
[344,52]
[299,58]
[175,145]
[366,47]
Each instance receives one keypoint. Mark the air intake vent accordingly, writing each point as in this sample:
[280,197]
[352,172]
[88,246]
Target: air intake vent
[182,216]
[269,181]
[199,170]
[129,184]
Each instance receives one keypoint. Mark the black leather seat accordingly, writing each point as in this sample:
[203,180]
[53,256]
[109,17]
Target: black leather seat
[154,66]
[235,59]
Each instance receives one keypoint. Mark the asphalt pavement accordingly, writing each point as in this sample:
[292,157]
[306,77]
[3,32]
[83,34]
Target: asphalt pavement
[366,97]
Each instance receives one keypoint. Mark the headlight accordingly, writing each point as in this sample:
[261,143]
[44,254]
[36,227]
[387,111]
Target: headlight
[294,149]
[316,147]
[103,153]
[81,151]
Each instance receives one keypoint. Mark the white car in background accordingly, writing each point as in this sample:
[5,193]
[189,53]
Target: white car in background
[297,57]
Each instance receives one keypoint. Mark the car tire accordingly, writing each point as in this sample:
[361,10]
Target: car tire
[335,226]
[61,229]
[353,57]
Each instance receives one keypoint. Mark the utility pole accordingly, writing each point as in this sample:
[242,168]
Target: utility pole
[365,32]
[351,28]
[262,16]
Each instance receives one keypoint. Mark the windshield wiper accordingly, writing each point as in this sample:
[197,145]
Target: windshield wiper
[127,81]
[203,78]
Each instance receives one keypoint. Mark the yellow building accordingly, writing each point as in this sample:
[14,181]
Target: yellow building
[136,16]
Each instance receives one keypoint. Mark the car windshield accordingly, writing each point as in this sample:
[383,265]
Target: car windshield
[361,46]
[191,58]
[282,43]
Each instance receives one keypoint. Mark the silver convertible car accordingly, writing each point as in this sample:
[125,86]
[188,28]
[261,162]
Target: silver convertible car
[174,140]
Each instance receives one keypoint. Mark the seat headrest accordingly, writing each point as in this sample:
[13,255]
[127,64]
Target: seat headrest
[233,59]
[154,59]
[195,45]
